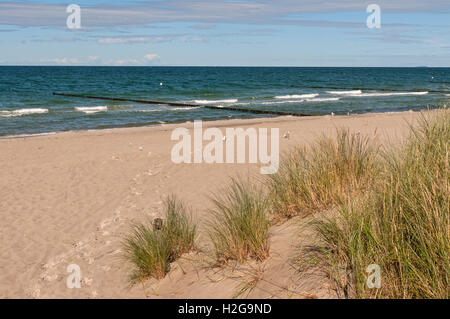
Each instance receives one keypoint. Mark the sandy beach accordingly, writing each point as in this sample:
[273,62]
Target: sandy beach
[69,198]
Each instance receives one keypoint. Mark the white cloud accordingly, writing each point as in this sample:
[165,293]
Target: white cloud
[200,12]
[61,61]
[151,39]
[148,58]
[127,62]
[151,56]
[193,39]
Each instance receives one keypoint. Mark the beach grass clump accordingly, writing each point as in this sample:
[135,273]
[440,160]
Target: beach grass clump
[323,174]
[403,226]
[239,228]
[151,249]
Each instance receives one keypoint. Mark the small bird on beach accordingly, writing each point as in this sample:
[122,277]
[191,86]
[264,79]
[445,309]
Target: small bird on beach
[287,135]
[332,113]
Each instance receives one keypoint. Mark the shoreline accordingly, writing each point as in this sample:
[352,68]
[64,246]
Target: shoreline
[179,124]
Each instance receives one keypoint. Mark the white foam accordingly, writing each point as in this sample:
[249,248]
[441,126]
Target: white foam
[330,99]
[283,102]
[92,109]
[215,101]
[184,108]
[148,111]
[22,112]
[345,92]
[324,99]
[27,135]
[389,94]
[299,96]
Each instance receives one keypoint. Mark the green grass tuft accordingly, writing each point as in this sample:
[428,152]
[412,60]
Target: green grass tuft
[403,225]
[323,175]
[240,227]
[151,250]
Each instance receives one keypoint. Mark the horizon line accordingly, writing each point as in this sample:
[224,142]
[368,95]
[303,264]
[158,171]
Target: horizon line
[217,66]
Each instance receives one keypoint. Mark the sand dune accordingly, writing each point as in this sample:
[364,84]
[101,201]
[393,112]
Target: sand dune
[68,198]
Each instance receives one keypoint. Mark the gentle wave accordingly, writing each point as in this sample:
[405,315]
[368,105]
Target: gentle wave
[345,92]
[300,96]
[282,102]
[22,112]
[389,94]
[215,101]
[185,108]
[26,135]
[92,109]
[325,99]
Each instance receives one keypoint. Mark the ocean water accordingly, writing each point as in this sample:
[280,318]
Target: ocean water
[27,105]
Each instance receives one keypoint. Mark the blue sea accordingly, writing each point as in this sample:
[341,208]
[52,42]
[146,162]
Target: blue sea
[27,105]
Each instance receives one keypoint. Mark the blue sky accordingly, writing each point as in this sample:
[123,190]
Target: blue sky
[226,33]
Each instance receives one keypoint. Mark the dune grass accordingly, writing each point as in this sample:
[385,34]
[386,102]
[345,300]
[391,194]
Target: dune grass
[321,176]
[151,250]
[388,208]
[402,225]
[239,227]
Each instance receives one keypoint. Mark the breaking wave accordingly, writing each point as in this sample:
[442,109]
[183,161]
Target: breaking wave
[92,109]
[22,112]
[299,96]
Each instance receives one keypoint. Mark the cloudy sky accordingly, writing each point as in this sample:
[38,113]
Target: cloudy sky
[226,33]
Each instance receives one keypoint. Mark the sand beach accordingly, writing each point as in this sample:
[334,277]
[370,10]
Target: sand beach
[68,198]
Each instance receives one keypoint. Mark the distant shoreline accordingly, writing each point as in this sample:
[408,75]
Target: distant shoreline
[210,123]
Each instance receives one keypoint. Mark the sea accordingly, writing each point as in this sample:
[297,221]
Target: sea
[28,106]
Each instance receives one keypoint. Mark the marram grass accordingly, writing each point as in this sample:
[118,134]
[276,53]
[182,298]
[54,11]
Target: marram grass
[402,225]
[391,209]
[324,174]
[151,250]
[239,227]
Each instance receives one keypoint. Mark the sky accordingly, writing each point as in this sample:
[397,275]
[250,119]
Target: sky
[226,33]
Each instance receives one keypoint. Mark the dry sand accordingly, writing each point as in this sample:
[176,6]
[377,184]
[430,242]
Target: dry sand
[68,198]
